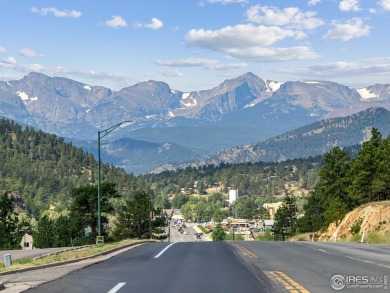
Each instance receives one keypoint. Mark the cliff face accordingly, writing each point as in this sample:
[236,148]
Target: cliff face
[373,219]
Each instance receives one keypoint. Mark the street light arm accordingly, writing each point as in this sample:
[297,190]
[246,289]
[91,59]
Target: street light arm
[103,133]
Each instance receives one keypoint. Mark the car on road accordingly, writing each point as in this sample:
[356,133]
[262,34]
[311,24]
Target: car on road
[185,233]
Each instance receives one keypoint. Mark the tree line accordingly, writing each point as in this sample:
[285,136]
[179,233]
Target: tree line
[79,224]
[345,183]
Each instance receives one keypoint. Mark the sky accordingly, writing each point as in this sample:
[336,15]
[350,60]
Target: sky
[196,44]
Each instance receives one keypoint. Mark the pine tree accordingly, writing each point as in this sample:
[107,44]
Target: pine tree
[381,183]
[364,169]
[133,217]
[84,207]
[285,218]
[44,237]
[8,222]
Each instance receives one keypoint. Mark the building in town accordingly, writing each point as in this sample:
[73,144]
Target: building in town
[233,195]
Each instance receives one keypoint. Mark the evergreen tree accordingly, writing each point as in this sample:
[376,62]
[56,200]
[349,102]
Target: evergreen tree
[45,236]
[84,207]
[8,221]
[381,183]
[329,201]
[159,223]
[133,218]
[65,231]
[364,169]
[285,219]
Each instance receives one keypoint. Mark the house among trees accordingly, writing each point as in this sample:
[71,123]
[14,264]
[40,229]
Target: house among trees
[272,208]
[27,240]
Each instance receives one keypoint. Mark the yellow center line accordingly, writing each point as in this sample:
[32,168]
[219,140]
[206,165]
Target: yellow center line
[245,251]
[287,282]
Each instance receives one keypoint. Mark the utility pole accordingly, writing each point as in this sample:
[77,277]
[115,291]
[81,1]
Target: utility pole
[150,220]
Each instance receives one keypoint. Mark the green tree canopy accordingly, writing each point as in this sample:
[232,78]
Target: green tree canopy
[84,206]
[218,233]
[133,218]
[285,218]
[8,221]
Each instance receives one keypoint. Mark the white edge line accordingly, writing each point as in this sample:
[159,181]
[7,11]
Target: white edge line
[117,287]
[162,251]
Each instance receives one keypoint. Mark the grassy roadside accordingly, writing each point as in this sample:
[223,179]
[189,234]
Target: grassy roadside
[66,255]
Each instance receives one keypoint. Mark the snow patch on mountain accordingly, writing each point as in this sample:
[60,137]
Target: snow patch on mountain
[273,86]
[366,94]
[88,87]
[309,81]
[187,100]
[25,97]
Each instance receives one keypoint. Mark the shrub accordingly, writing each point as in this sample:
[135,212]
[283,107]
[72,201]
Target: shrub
[355,228]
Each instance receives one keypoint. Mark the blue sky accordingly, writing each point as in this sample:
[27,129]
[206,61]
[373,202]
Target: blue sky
[196,44]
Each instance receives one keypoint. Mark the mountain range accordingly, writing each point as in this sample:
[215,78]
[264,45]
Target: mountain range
[310,140]
[173,126]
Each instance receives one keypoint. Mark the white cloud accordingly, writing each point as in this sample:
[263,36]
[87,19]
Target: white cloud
[385,4]
[56,12]
[27,52]
[227,1]
[250,42]
[378,59]
[239,36]
[2,50]
[353,28]
[365,71]
[10,63]
[200,62]
[173,72]
[9,60]
[354,68]
[119,78]
[155,24]
[115,22]
[349,5]
[290,17]
[275,54]
[313,2]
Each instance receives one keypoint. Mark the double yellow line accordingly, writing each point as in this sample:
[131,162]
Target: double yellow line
[280,277]
[288,283]
[245,251]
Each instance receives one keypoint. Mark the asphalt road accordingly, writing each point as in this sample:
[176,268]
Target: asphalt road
[240,266]
[163,267]
[310,266]
[176,236]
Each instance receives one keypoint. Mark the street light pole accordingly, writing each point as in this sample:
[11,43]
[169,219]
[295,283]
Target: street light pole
[102,134]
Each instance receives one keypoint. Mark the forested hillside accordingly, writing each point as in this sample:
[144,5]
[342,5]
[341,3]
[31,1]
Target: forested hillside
[40,169]
[311,140]
[252,179]
[347,182]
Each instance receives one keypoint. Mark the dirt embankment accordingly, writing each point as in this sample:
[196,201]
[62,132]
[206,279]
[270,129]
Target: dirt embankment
[372,218]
